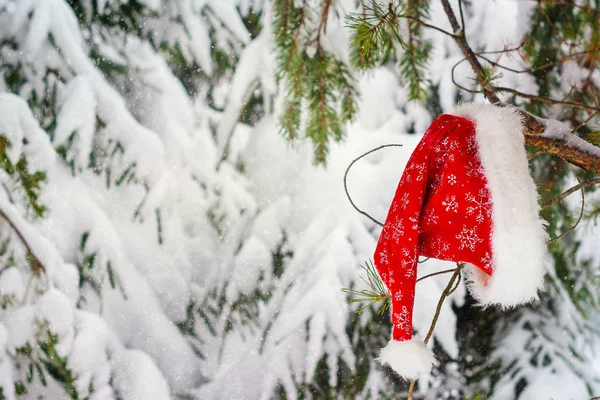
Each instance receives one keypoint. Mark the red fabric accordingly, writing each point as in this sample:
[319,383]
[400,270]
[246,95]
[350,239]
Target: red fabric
[441,210]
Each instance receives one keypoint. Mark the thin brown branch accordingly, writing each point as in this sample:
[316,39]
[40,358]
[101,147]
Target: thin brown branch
[571,229]
[323,23]
[461,40]
[450,288]
[570,191]
[445,32]
[571,4]
[553,26]
[37,265]
[456,83]
[546,99]
[462,15]
[346,179]
[581,125]
[538,68]
[436,273]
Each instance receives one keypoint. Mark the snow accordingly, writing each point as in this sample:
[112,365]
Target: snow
[167,309]
[555,129]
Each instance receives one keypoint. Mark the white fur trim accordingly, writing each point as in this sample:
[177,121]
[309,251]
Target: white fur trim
[518,235]
[409,358]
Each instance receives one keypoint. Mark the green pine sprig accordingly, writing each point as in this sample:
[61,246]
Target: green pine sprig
[374,33]
[320,89]
[375,293]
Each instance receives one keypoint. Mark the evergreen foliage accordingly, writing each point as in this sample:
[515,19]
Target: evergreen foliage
[159,240]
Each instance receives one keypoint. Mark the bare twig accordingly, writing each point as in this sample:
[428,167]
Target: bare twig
[37,265]
[462,15]
[546,99]
[450,288]
[571,229]
[570,191]
[436,273]
[429,26]
[346,178]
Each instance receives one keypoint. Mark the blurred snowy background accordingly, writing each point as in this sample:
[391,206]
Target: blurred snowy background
[160,238]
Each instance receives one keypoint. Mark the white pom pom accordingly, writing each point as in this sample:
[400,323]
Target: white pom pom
[409,358]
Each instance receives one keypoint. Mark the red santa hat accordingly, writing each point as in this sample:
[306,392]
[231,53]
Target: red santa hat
[465,196]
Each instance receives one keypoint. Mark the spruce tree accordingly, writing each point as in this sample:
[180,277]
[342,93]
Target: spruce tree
[165,231]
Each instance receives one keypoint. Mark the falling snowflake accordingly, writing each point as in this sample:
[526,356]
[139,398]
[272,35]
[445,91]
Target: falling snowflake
[452,179]
[481,205]
[468,238]
[451,204]
[392,280]
[398,296]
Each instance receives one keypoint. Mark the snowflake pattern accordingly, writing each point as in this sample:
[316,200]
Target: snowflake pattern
[472,145]
[431,217]
[468,238]
[480,205]
[404,201]
[420,168]
[487,259]
[407,258]
[473,170]
[403,320]
[398,296]
[415,222]
[451,204]
[440,247]
[397,230]
[383,257]
[452,179]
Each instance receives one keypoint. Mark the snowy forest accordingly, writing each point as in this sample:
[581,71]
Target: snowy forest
[174,223]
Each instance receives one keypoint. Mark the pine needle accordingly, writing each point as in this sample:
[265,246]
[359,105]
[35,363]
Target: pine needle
[376,292]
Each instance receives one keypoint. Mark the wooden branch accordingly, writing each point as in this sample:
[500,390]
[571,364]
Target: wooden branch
[572,228]
[346,179]
[450,288]
[570,148]
[568,192]
[36,265]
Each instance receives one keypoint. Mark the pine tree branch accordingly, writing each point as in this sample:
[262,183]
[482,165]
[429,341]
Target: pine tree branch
[571,148]
[37,266]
